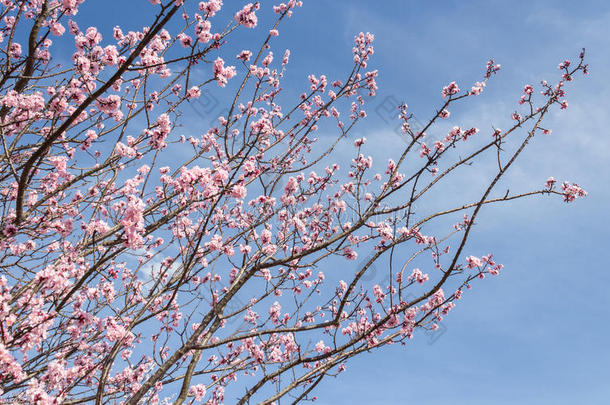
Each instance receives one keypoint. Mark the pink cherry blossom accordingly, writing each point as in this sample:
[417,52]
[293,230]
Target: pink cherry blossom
[57,29]
[222,74]
[193,92]
[451,89]
[246,16]
[197,391]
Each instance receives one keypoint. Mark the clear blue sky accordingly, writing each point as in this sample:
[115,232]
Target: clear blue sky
[538,334]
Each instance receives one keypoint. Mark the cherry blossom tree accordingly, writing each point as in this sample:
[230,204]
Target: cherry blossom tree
[147,258]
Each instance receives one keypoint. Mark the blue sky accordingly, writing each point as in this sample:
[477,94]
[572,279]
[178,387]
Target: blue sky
[538,333]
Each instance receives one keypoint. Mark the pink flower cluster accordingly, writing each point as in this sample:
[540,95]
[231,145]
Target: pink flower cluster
[109,104]
[133,222]
[418,276]
[247,16]
[163,127]
[222,74]
[451,89]
[202,30]
[572,191]
[197,391]
[210,7]
[363,48]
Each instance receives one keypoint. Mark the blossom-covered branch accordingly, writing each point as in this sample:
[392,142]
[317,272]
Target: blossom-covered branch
[147,258]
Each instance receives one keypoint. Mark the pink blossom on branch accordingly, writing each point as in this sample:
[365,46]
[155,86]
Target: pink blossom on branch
[222,74]
[247,16]
[451,89]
